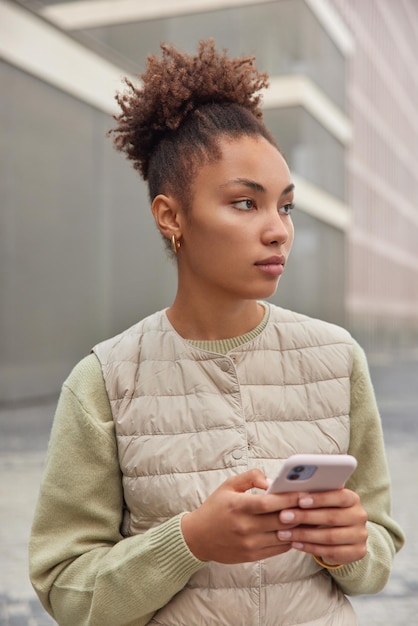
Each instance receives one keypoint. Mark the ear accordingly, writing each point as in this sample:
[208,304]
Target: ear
[167,214]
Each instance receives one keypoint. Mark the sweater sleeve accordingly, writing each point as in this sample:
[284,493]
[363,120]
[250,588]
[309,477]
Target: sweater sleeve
[82,569]
[371,481]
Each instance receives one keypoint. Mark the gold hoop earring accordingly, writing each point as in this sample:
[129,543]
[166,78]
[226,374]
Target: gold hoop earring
[175,244]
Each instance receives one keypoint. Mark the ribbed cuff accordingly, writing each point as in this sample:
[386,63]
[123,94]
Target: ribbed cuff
[172,552]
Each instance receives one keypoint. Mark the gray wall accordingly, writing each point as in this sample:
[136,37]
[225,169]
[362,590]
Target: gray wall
[80,258]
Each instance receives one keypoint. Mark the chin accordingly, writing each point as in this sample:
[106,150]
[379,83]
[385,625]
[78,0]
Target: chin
[268,291]
[262,294]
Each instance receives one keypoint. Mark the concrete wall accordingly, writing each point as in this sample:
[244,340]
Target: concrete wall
[80,258]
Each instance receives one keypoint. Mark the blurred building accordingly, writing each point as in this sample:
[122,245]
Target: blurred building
[382,171]
[79,255]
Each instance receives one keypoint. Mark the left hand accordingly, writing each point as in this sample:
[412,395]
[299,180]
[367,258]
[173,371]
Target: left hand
[331,524]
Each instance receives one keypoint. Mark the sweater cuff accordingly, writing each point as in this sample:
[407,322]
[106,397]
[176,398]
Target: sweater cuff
[172,552]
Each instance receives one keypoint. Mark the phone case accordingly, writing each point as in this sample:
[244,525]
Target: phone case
[313,472]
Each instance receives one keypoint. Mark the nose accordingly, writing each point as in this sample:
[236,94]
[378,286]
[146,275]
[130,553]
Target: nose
[277,228]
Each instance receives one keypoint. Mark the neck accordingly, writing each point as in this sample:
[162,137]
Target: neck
[206,321]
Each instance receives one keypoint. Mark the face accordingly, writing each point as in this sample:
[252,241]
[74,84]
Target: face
[237,235]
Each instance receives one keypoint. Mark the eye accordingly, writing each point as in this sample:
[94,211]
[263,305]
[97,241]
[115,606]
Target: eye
[287,208]
[244,205]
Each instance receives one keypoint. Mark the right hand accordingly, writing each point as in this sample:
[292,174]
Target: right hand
[233,526]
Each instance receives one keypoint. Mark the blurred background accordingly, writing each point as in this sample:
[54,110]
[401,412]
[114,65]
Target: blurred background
[80,258]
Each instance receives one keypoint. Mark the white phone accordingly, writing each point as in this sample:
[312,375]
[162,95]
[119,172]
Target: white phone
[313,472]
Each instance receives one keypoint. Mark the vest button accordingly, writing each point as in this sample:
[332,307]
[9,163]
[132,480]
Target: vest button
[225,366]
[237,454]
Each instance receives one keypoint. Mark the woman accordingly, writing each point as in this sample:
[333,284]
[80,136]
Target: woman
[153,506]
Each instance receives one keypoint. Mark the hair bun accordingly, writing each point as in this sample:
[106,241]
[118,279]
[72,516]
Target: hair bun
[175,85]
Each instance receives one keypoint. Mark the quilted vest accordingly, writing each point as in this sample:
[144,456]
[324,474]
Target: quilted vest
[186,419]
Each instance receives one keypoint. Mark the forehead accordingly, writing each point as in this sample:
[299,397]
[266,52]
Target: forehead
[253,158]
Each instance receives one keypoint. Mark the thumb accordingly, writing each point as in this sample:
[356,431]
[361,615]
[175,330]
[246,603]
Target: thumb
[253,479]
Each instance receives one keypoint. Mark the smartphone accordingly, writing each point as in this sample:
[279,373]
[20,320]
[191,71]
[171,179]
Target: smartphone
[313,472]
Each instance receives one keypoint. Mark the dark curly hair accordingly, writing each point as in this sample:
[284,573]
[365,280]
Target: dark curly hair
[171,124]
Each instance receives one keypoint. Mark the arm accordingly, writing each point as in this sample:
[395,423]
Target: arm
[353,526]
[83,570]
[371,481]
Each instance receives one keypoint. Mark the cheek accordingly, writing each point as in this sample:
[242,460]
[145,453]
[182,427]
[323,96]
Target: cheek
[218,231]
[203,241]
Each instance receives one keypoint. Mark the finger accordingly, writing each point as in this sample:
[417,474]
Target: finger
[341,554]
[273,550]
[343,498]
[265,552]
[252,479]
[332,508]
[324,517]
[266,523]
[263,504]
[336,536]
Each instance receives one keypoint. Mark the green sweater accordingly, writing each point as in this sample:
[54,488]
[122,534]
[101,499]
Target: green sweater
[86,573]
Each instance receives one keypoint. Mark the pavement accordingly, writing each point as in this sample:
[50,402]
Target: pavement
[24,432]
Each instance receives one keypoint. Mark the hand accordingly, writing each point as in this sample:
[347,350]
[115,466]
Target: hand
[331,525]
[233,526]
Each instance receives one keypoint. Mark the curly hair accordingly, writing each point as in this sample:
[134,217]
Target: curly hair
[171,124]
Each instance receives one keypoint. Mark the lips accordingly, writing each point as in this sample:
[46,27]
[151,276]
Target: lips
[273,265]
[273,260]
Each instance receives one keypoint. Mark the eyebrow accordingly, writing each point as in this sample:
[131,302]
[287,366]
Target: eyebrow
[252,184]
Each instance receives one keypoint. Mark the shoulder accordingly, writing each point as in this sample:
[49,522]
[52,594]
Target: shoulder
[86,386]
[362,385]
[86,374]
[124,346]
[296,328]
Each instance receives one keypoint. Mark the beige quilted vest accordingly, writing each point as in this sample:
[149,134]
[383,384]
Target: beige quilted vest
[186,419]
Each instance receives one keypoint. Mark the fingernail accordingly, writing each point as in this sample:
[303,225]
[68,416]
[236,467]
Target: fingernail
[284,534]
[287,516]
[306,501]
[297,546]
